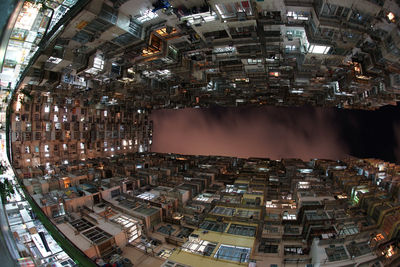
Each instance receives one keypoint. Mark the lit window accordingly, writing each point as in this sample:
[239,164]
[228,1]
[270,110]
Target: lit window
[82,145]
[146,15]
[98,65]
[164,32]
[198,246]
[146,196]
[274,74]
[224,50]
[54,60]
[105,113]
[270,204]
[297,15]
[46,148]
[98,62]
[287,216]
[229,10]
[290,48]
[46,109]
[65,147]
[254,61]
[391,16]
[318,49]
[200,17]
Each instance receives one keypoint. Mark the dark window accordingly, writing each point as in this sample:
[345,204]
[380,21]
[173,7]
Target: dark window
[115,193]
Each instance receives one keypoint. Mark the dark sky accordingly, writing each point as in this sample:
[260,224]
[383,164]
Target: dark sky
[279,132]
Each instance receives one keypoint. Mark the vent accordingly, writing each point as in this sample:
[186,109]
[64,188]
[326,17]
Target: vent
[135,29]
[108,14]
[82,37]
[124,39]
[97,25]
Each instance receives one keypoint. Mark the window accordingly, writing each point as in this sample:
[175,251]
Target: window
[287,216]
[233,253]
[252,61]
[293,250]
[98,63]
[319,49]
[329,10]
[224,50]
[46,148]
[146,15]
[237,229]
[115,193]
[146,196]
[359,18]
[197,246]
[271,204]
[298,15]
[199,18]
[229,10]
[337,253]
[289,48]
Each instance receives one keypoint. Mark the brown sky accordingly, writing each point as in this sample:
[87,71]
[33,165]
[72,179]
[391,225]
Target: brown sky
[258,132]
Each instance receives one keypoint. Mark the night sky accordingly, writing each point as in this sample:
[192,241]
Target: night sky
[277,133]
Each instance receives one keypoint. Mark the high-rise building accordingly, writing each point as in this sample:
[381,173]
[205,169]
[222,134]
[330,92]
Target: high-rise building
[82,77]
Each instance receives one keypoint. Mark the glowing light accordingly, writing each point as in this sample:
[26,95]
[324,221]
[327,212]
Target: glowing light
[391,16]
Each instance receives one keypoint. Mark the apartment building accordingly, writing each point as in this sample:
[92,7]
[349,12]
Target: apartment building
[226,52]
